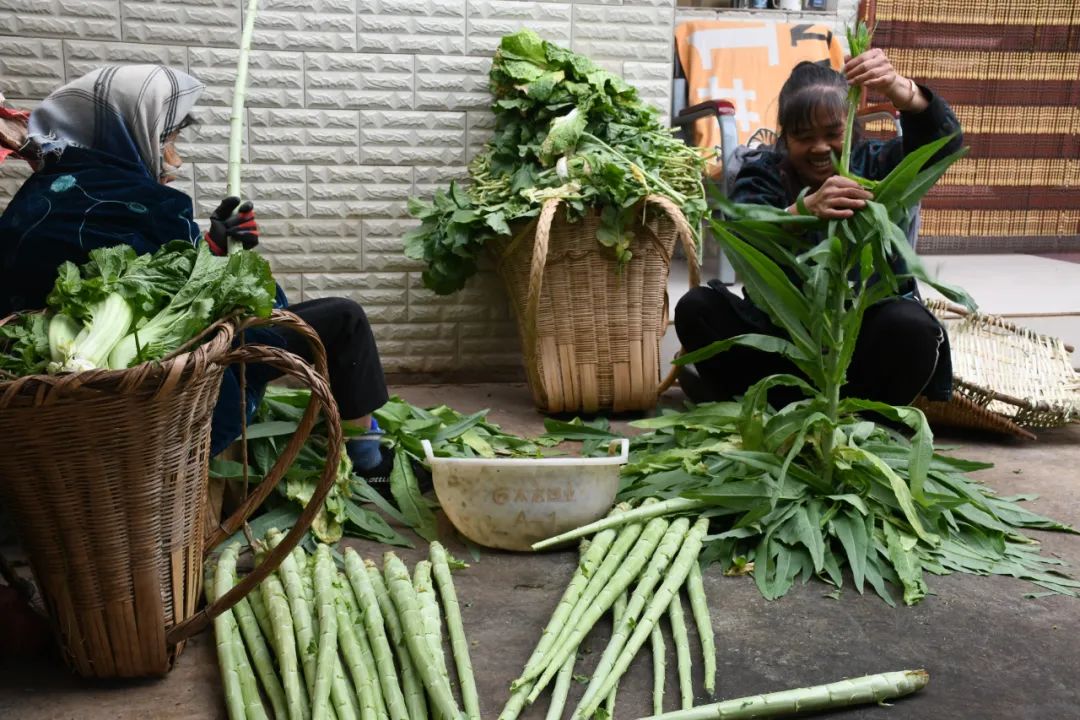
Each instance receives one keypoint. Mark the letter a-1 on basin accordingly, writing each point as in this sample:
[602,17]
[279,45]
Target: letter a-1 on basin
[510,503]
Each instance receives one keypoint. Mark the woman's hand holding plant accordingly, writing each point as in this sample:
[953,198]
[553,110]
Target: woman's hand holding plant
[837,198]
[873,70]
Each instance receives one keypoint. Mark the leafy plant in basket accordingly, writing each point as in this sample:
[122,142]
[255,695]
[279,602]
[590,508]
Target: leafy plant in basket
[814,486]
[566,129]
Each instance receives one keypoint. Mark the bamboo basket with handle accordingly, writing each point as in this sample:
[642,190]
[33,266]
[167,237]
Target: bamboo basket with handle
[104,474]
[1011,372]
[591,331]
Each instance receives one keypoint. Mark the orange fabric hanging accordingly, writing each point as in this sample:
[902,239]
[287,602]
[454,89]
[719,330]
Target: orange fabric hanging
[747,63]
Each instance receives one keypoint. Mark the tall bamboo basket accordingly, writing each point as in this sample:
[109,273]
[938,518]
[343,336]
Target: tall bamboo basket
[591,331]
[104,474]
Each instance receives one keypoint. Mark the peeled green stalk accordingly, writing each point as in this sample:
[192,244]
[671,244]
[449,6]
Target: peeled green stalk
[856,691]
[650,537]
[277,605]
[681,640]
[362,677]
[617,612]
[327,653]
[591,560]
[367,656]
[429,615]
[408,607]
[236,117]
[644,512]
[561,691]
[224,637]
[656,641]
[411,685]
[598,579]
[673,539]
[661,601]
[695,590]
[440,568]
[374,626]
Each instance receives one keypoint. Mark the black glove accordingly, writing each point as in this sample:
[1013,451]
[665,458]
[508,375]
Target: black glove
[224,225]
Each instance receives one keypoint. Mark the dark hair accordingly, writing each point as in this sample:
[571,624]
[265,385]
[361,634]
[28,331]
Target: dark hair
[810,89]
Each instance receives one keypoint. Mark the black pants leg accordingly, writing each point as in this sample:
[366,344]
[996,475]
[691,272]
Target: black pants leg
[356,374]
[895,356]
[896,353]
[707,314]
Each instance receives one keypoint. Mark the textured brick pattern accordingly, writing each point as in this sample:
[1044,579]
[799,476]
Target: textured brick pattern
[353,106]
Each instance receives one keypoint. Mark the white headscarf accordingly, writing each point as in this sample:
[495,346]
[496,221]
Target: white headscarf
[126,111]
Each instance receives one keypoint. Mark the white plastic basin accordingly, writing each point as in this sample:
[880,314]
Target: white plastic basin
[510,503]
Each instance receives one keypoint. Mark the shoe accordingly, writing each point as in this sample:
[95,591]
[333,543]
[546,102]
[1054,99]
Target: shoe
[378,477]
[694,387]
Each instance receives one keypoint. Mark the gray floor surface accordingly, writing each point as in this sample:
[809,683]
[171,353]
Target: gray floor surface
[990,652]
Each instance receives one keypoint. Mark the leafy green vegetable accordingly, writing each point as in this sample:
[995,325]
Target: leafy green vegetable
[120,309]
[566,129]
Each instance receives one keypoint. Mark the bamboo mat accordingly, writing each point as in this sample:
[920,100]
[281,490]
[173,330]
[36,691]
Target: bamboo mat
[1011,72]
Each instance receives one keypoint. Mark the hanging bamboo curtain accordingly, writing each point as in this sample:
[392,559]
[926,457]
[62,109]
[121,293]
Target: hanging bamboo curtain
[1011,72]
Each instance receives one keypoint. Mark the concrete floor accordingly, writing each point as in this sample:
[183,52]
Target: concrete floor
[990,652]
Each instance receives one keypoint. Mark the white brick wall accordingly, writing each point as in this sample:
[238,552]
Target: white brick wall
[353,106]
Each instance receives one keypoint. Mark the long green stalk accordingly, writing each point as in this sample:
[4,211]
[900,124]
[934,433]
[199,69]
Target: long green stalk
[644,512]
[592,553]
[363,677]
[306,642]
[669,546]
[408,607]
[367,655]
[327,652]
[624,542]
[412,687]
[855,691]
[617,612]
[652,535]
[440,568]
[236,118]
[431,617]
[253,638]
[277,606]
[225,638]
[554,632]
[224,579]
[682,652]
[561,690]
[659,670]
[676,576]
[695,590]
[375,628]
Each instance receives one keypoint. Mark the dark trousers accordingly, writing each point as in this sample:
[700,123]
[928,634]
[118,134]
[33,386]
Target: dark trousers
[895,355]
[356,374]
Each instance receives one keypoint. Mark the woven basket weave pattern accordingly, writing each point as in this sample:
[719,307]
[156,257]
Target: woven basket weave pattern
[1009,370]
[591,331]
[104,474]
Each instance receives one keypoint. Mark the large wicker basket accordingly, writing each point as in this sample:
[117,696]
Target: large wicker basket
[104,474]
[591,331]
[1006,377]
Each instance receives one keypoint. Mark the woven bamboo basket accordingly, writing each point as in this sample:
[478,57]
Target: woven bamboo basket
[1011,372]
[590,331]
[104,474]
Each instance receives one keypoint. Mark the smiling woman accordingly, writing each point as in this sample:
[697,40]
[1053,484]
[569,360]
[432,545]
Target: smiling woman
[902,350]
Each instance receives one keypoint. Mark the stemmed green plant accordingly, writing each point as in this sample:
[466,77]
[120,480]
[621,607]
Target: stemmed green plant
[816,485]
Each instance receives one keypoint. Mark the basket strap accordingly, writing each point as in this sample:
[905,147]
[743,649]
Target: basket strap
[686,236]
[322,398]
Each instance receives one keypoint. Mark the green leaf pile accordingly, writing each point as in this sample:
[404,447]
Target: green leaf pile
[564,128]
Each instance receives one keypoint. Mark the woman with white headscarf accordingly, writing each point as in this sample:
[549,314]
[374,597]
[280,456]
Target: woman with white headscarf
[105,155]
